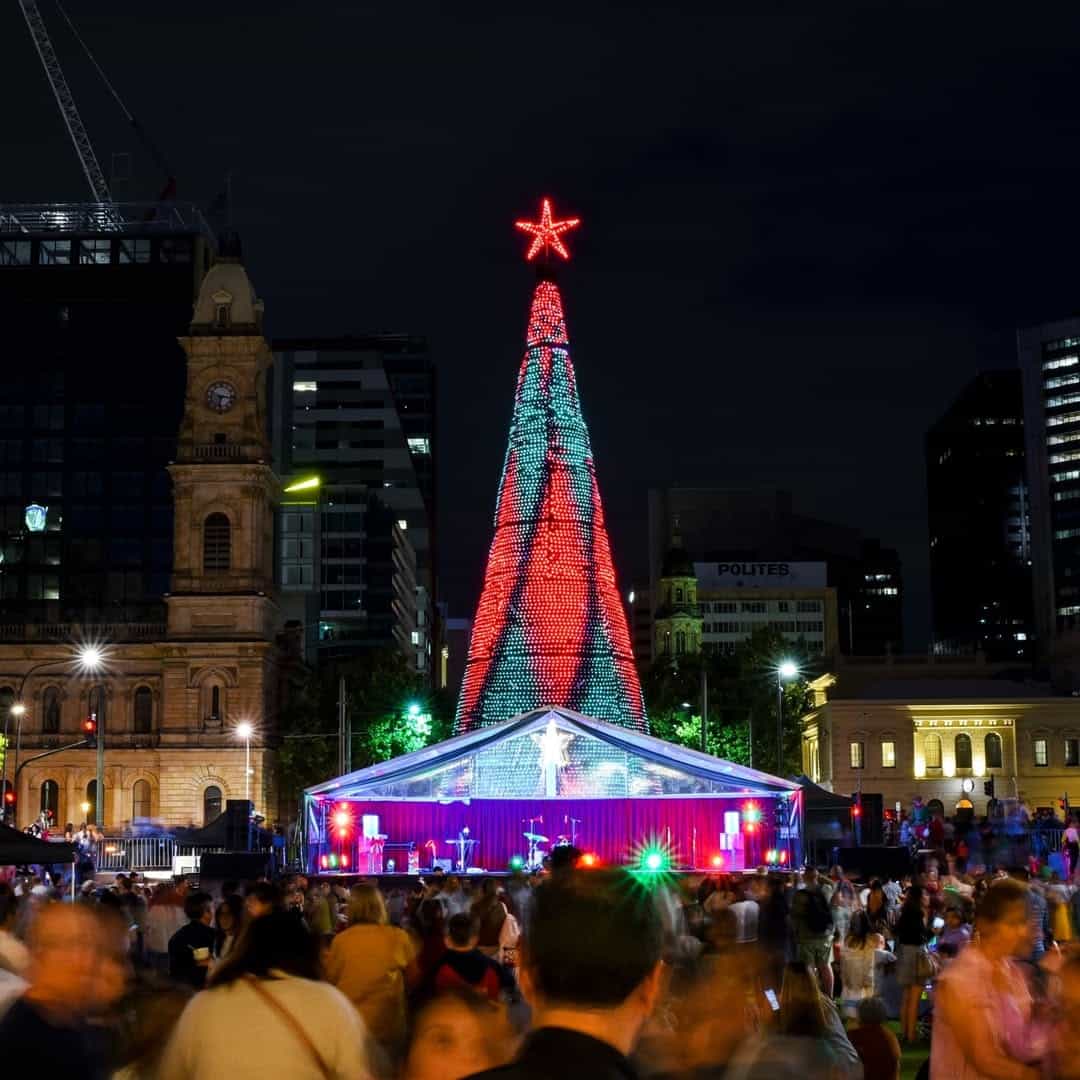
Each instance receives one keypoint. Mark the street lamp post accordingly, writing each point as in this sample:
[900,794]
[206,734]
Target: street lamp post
[86,658]
[244,730]
[785,671]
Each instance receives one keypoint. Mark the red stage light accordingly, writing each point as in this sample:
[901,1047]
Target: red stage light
[588,860]
[344,859]
[546,233]
[783,856]
[718,860]
[324,862]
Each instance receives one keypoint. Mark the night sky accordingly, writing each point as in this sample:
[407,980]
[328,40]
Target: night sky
[801,235]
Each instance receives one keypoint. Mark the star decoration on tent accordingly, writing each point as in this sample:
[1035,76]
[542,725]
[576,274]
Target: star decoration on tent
[553,744]
[546,233]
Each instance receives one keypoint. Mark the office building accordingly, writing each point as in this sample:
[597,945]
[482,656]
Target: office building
[733,527]
[980,522]
[941,731]
[1050,364]
[358,414]
[92,300]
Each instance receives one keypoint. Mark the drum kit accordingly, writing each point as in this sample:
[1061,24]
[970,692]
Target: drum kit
[534,860]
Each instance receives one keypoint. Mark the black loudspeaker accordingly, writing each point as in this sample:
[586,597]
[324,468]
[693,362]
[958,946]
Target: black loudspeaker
[238,825]
[233,866]
[873,818]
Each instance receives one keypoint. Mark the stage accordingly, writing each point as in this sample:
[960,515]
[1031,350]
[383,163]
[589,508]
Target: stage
[479,801]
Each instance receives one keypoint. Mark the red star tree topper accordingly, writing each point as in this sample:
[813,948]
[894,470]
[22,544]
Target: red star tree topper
[546,233]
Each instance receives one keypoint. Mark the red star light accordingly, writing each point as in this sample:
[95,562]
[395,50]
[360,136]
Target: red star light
[546,233]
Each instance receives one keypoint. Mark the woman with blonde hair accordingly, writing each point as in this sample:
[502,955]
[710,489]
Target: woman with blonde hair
[371,962]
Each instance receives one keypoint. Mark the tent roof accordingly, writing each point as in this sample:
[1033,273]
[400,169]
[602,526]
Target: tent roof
[609,747]
[17,849]
[819,798]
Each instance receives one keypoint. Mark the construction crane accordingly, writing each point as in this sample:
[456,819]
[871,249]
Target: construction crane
[68,109]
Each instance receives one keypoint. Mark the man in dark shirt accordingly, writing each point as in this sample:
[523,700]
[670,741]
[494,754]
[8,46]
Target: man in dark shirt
[591,970]
[191,947]
[78,967]
[464,966]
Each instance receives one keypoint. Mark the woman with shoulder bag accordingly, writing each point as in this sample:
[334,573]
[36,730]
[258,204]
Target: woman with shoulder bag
[911,968]
[267,1013]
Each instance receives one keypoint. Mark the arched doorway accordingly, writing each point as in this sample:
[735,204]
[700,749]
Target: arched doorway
[141,800]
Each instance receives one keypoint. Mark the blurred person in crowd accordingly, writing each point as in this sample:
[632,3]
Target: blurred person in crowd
[453,897]
[263,898]
[14,955]
[983,1006]
[191,948]
[147,1018]
[773,927]
[431,927]
[912,934]
[77,971]
[862,954]
[134,907]
[876,907]
[877,1047]
[807,1035]
[745,912]
[956,935]
[372,963]
[455,1035]
[1038,913]
[317,912]
[1064,1063]
[812,925]
[464,966]
[228,922]
[266,1013]
[591,969]
[844,901]
[490,915]
[164,916]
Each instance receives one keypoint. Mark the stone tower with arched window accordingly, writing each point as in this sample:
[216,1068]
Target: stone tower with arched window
[677,621]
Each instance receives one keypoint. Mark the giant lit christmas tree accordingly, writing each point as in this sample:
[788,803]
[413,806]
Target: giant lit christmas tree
[550,628]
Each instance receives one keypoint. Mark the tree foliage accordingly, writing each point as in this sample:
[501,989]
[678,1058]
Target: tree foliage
[742,700]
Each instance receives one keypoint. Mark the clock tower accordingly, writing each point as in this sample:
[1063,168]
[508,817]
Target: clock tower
[223,485]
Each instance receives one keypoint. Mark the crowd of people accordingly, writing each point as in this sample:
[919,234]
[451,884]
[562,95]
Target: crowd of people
[571,973]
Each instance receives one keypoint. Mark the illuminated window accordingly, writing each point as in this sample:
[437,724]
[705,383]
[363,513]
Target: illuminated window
[888,754]
[420,446]
[857,751]
[222,316]
[962,748]
[305,386]
[992,746]
[1042,758]
[932,752]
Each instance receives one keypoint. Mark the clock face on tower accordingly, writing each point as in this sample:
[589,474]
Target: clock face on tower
[221,396]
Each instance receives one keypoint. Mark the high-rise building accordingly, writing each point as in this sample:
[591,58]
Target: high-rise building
[1050,362]
[980,522]
[725,526]
[358,414]
[92,300]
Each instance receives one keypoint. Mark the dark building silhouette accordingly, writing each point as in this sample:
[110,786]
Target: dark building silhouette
[725,525]
[980,522]
[92,300]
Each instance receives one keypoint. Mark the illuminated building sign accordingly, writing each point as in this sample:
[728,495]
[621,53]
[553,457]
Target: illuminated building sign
[35,517]
[760,575]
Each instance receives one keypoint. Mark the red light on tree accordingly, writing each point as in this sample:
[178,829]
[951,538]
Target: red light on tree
[546,233]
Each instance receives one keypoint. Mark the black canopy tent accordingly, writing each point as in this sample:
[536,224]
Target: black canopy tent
[20,849]
[827,819]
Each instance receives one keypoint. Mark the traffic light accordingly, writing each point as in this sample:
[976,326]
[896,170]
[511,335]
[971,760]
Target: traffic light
[9,800]
[988,787]
[89,727]
[856,806]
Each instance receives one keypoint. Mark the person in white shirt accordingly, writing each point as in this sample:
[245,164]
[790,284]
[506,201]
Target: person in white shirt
[14,955]
[268,988]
